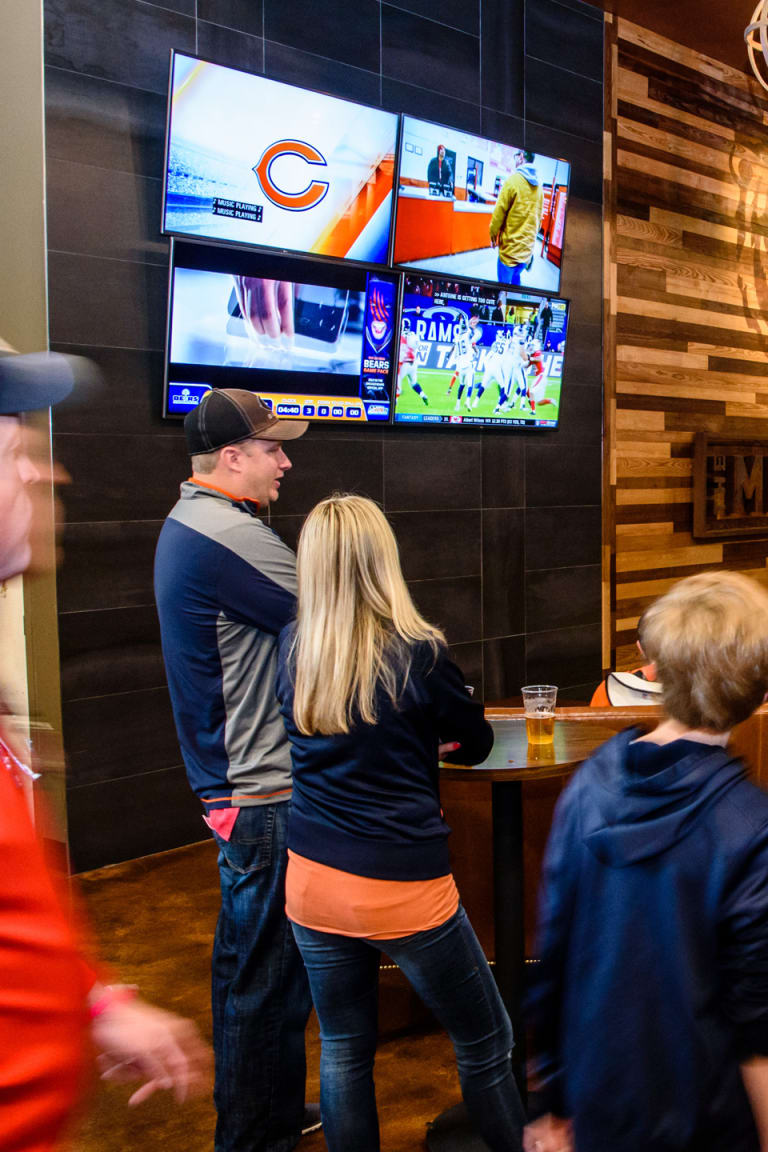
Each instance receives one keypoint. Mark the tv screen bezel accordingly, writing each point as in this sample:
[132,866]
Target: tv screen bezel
[522,428]
[462,276]
[245,249]
[218,240]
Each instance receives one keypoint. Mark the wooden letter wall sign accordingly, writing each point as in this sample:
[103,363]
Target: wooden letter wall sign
[730,487]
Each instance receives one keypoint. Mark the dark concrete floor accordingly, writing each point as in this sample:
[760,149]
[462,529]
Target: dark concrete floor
[153,920]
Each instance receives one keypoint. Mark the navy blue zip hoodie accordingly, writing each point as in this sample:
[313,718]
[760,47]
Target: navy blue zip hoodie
[653,942]
[367,801]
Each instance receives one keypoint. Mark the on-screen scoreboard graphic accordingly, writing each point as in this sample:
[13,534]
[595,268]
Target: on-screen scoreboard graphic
[287,405]
[257,162]
[472,355]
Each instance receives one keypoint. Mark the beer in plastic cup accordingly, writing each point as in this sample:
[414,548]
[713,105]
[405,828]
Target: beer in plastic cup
[539,702]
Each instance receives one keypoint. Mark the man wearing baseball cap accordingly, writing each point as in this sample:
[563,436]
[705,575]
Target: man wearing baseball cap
[47,984]
[225,585]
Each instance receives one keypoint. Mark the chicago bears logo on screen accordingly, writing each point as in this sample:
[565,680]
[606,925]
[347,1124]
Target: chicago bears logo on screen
[299,200]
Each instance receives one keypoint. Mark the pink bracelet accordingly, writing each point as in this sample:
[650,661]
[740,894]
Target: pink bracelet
[112,994]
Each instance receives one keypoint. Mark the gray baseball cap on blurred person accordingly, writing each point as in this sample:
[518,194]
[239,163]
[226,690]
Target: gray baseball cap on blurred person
[37,379]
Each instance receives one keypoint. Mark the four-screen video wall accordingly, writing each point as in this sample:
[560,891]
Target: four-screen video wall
[349,264]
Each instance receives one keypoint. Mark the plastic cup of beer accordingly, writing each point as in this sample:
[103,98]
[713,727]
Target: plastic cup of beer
[539,702]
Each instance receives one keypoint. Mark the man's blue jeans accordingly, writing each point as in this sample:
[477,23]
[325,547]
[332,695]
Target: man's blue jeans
[260,993]
[447,968]
[509,273]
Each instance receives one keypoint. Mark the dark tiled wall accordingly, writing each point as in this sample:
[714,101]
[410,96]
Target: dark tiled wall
[500,533]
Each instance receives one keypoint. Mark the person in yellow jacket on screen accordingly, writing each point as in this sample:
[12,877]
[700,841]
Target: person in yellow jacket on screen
[516,219]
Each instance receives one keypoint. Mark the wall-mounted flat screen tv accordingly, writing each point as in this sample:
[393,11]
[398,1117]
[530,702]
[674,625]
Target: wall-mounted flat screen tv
[256,162]
[475,355]
[314,339]
[471,207]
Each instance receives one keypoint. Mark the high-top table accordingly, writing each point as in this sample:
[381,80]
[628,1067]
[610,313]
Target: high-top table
[511,763]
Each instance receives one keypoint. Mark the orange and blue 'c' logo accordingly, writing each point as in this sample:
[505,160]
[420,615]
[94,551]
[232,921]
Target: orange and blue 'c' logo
[306,198]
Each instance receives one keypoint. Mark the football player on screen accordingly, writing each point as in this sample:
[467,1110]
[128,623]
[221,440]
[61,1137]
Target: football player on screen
[453,357]
[455,376]
[516,363]
[495,371]
[468,336]
[537,386]
[408,367]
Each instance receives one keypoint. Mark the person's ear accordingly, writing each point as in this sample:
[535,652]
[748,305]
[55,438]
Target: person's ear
[640,648]
[230,457]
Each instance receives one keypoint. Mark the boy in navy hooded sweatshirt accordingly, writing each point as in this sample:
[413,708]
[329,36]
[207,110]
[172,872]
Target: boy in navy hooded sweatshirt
[650,1002]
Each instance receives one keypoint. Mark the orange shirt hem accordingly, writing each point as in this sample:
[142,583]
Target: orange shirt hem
[341,903]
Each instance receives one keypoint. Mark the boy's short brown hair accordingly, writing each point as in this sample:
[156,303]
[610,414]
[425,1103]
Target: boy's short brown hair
[708,637]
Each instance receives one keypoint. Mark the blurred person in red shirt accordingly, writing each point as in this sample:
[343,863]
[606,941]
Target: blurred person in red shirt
[55,1002]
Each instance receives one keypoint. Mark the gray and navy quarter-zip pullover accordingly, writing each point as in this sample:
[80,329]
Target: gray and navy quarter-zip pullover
[225,586]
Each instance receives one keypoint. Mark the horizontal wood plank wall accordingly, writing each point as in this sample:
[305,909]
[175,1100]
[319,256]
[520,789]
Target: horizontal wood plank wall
[686,307]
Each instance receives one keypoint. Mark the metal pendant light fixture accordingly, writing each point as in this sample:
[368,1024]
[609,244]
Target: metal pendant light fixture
[756,37]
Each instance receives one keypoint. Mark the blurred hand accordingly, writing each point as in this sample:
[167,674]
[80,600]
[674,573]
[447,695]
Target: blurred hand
[548,1134]
[137,1041]
[444,749]
[266,305]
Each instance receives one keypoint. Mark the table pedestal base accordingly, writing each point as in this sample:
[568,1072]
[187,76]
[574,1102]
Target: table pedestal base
[452,1132]
[511,762]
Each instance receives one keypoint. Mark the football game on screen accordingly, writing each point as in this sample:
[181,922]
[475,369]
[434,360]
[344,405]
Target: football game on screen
[475,355]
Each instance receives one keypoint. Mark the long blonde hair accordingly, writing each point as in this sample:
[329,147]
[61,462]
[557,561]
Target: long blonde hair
[356,620]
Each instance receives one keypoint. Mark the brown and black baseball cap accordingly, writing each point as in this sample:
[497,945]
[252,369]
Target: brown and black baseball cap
[230,415]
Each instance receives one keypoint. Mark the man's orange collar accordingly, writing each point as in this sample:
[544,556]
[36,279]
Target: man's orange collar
[223,491]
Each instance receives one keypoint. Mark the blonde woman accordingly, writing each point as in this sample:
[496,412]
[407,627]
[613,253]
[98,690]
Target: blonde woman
[368,694]
[650,1002]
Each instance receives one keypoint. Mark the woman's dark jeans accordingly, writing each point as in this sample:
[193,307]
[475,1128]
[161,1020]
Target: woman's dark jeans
[447,968]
